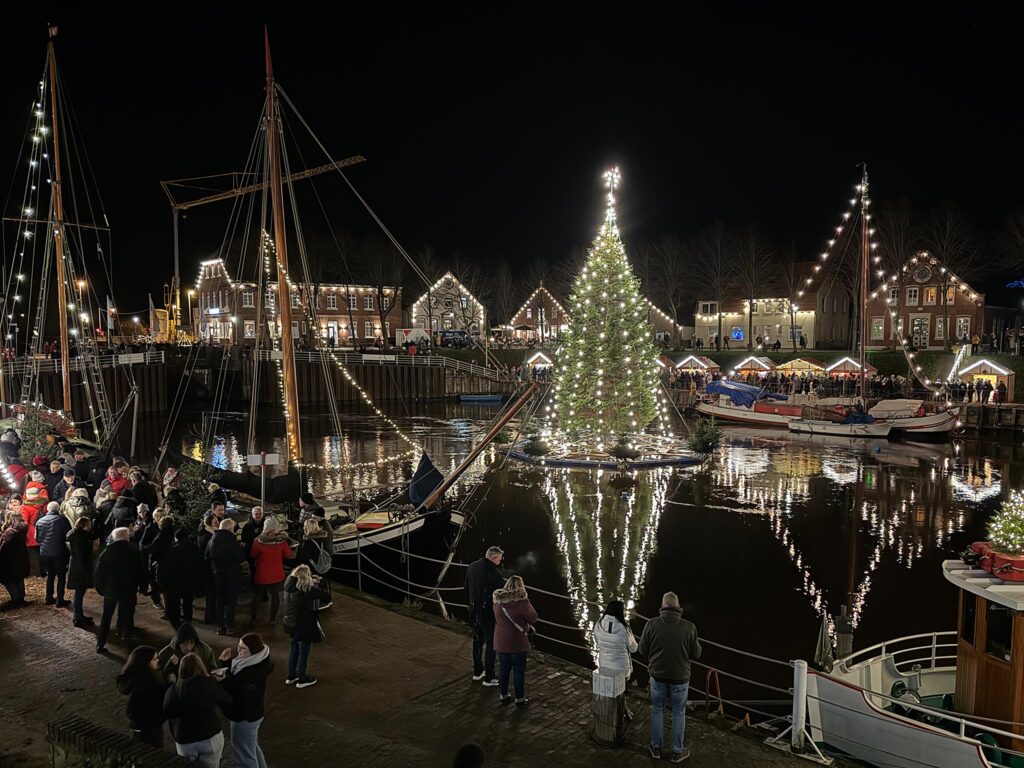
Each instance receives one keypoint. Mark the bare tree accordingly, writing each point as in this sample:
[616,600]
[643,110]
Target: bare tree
[753,268]
[433,269]
[1009,241]
[715,249]
[900,239]
[564,274]
[475,282]
[384,269]
[505,292]
[792,284]
[951,239]
[670,278]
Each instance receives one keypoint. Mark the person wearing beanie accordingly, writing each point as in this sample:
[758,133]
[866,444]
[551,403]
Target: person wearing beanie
[308,508]
[32,509]
[69,481]
[76,505]
[51,535]
[248,667]
[269,552]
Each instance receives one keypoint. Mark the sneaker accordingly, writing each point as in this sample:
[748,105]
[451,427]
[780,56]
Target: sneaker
[678,757]
[478,678]
[655,752]
[305,682]
[490,682]
[522,702]
[291,680]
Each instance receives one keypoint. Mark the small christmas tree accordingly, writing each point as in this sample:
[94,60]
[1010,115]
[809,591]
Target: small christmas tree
[1006,529]
[36,438]
[607,378]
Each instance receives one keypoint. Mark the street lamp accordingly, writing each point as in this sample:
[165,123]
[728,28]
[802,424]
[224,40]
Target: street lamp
[191,292]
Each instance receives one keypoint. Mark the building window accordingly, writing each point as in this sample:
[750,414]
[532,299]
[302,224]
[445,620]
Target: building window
[709,307]
[448,323]
[367,302]
[387,332]
[931,295]
[332,300]
[352,302]
[940,328]
[753,307]
[247,299]
[967,620]
[464,302]
[385,303]
[250,329]
[877,328]
[894,294]
[963,327]
[912,295]
[950,295]
[999,632]
[295,300]
[529,313]
[447,303]
[368,329]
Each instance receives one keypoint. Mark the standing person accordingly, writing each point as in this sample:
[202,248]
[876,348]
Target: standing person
[514,617]
[51,534]
[669,642]
[33,508]
[141,681]
[302,595]
[143,490]
[207,527]
[14,566]
[269,552]
[246,682]
[149,536]
[180,577]
[76,505]
[252,528]
[315,551]
[155,553]
[1001,391]
[482,578]
[224,554]
[79,543]
[69,481]
[118,576]
[308,507]
[190,705]
[615,643]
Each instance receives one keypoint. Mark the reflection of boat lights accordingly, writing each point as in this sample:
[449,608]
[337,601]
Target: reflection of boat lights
[976,492]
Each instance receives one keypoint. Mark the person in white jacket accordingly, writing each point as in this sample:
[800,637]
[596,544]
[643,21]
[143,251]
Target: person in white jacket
[615,642]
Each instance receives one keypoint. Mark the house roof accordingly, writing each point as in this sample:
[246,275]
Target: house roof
[698,362]
[849,365]
[440,283]
[754,363]
[539,289]
[802,364]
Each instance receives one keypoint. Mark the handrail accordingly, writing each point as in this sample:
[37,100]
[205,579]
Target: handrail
[388,358]
[855,660]
[39,365]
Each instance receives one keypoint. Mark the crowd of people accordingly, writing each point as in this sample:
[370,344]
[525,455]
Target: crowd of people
[503,622]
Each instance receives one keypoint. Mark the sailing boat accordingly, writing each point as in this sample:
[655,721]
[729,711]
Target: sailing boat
[46,237]
[276,344]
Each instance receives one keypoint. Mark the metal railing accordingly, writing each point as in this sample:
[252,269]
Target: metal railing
[37,365]
[384,358]
[932,649]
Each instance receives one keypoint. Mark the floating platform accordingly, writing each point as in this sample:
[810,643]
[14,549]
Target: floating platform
[655,452]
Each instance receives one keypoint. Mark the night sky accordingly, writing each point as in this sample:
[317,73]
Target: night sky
[486,132]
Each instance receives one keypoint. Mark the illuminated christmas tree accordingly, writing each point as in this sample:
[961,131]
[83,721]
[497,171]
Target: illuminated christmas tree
[1006,529]
[607,382]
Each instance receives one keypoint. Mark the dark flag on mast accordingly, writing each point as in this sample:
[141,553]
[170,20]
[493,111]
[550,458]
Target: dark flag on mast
[425,480]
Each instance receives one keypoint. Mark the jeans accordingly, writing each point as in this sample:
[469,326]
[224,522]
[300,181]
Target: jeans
[16,590]
[514,664]
[125,606]
[659,693]
[483,663]
[298,657]
[207,753]
[78,604]
[258,593]
[55,567]
[178,605]
[227,601]
[245,744]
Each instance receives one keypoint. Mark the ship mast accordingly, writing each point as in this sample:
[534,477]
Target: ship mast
[291,393]
[865,248]
[58,232]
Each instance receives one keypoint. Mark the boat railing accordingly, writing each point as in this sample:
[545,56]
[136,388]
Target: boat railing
[38,365]
[932,650]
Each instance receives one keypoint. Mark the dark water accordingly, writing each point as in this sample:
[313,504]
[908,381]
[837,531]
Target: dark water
[775,531]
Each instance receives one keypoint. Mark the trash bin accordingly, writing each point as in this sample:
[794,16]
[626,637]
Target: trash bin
[608,706]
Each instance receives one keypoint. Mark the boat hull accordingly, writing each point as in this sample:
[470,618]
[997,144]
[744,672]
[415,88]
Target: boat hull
[350,542]
[743,415]
[854,431]
[939,424]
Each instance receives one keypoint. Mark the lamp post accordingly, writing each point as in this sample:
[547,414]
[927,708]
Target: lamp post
[191,293]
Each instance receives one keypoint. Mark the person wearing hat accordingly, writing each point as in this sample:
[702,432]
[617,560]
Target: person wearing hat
[308,508]
[32,509]
[269,552]
[69,480]
[482,578]
[18,473]
[77,505]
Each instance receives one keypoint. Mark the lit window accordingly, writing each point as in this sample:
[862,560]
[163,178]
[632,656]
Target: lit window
[950,294]
[295,300]
[877,328]
[463,302]
[332,300]
[352,302]
[250,329]
[248,299]
[940,328]
[368,329]
[368,303]
[529,313]
[931,295]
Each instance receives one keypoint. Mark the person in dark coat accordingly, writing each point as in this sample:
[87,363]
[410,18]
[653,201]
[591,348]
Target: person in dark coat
[146,531]
[482,578]
[207,527]
[308,507]
[118,576]
[252,528]
[155,551]
[143,490]
[140,680]
[185,641]
[302,595]
[52,531]
[191,706]
[181,576]
[124,513]
[52,476]
[14,565]
[79,543]
[514,617]
[68,482]
[224,554]
[246,681]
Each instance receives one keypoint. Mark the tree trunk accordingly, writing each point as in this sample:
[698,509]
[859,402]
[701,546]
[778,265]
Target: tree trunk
[945,320]
[750,323]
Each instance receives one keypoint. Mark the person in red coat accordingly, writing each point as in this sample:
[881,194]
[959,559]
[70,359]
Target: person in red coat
[269,552]
[13,558]
[33,508]
[514,617]
[19,474]
[117,482]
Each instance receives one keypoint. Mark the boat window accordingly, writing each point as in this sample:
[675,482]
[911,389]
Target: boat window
[999,632]
[967,624]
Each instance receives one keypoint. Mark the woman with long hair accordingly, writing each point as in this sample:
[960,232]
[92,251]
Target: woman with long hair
[615,643]
[190,704]
[302,595]
[246,680]
[79,541]
[14,559]
[315,551]
[514,617]
[140,680]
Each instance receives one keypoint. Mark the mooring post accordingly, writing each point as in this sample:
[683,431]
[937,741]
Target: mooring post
[359,560]
[796,735]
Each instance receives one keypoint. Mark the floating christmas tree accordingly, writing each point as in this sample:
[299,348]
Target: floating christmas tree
[1006,529]
[607,382]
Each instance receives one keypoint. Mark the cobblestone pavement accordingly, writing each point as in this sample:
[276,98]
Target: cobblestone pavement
[394,690]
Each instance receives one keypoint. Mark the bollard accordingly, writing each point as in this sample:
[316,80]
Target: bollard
[799,705]
[359,560]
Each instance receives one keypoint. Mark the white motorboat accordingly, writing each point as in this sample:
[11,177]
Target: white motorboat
[916,418]
[876,429]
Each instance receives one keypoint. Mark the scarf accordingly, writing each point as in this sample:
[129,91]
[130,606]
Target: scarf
[241,662]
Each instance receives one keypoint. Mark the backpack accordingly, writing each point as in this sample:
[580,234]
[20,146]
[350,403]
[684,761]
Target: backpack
[323,563]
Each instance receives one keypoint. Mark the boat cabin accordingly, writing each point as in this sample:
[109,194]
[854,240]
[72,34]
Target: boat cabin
[986,370]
